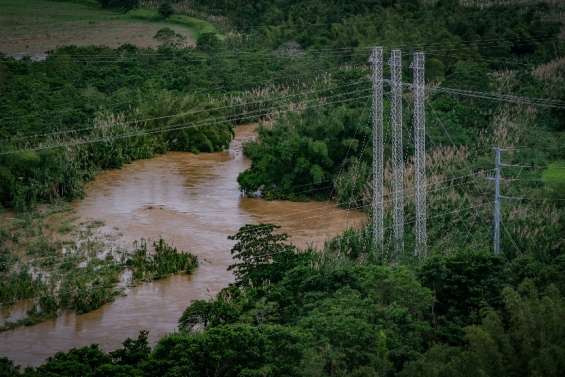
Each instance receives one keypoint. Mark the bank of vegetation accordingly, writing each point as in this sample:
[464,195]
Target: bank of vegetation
[340,312]
[104,107]
[79,275]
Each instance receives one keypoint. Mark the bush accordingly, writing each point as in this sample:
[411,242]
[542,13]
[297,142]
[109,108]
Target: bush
[123,4]
[168,37]
[208,42]
[554,178]
[166,10]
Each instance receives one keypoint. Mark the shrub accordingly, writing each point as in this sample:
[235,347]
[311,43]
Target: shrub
[123,4]
[166,10]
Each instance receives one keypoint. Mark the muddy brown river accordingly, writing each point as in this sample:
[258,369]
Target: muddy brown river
[193,201]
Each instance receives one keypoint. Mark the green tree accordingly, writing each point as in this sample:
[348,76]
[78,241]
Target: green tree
[231,350]
[169,38]
[166,10]
[7,368]
[463,284]
[260,255]
[134,351]
[201,314]
[527,339]
[208,42]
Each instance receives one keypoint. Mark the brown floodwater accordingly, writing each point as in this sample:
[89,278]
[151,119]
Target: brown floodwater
[192,201]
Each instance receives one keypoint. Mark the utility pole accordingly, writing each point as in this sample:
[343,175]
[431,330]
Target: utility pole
[418,67]
[397,151]
[376,61]
[496,235]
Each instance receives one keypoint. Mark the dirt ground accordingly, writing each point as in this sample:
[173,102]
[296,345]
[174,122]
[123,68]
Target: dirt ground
[33,27]
[106,33]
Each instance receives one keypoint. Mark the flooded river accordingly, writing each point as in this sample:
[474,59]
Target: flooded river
[192,201]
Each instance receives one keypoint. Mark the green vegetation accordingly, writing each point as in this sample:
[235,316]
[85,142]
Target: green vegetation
[162,262]
[310,313]
[80,275]
[314,145]
[120,4]
[329,150]
[554,178]
[131,109]
[166,10]
[340,311]
[18,286]
[197,27]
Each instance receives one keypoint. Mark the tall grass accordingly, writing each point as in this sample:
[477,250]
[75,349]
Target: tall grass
[160,261]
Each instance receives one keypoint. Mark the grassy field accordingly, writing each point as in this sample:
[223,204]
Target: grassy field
[37,26]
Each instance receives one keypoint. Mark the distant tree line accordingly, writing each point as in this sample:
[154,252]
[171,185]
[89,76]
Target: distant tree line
[122,4]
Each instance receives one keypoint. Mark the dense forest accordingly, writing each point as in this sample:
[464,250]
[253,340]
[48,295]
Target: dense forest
[300,68]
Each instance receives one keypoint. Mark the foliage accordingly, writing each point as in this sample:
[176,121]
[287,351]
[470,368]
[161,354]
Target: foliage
[161,262]
[166,9]
[478,277]
[201,314]
[122,4]
[554,178]
[525,340]
[168,37]
[326,314]
[338,311]
[7,368]
[260,255]
[302,153]
[90,288]
[107,103]
[79,276]
[19,285]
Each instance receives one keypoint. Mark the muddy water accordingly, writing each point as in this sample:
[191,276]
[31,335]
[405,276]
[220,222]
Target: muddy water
[192,201]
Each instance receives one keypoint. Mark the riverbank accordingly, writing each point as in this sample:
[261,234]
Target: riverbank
[192,201]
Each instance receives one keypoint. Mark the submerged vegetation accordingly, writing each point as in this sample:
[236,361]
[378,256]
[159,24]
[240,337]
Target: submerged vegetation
[80,275]
[163,261]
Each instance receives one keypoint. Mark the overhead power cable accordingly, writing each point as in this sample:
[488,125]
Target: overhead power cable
[411,46]
[177,127]
[205,110]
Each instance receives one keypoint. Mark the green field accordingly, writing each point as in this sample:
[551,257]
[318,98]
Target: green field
[37,26]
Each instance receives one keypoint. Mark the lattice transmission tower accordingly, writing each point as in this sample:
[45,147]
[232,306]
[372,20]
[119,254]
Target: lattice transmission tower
[376,61]
[397,153]
[418,68]
[397,160]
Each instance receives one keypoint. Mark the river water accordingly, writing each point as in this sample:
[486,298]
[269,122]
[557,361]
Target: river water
[192,201]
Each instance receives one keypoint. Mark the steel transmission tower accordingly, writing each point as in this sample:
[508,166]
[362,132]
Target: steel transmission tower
[418,67]
[397,153]
[376,61]
[496,236]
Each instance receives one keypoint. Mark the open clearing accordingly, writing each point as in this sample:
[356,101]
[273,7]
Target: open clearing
[36,26]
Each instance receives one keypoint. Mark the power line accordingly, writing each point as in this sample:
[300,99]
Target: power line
[295,78]
[268,99]
[428,46]
[544,102]
[524,198]
[172,128]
